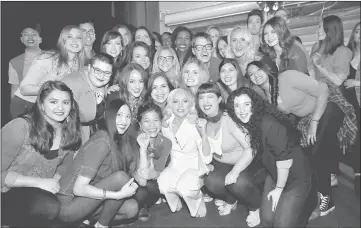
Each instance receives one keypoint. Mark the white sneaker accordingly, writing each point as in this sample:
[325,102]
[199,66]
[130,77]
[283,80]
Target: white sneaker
[219,202]
[207,198]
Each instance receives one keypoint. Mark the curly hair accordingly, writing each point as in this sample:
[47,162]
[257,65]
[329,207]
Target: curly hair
[285,41]
[41,133]
[259,108]
[271,70]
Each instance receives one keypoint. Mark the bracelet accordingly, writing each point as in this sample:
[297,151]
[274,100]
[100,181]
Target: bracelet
[104,194]
[280,187]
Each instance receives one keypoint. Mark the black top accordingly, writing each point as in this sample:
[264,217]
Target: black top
[280,143]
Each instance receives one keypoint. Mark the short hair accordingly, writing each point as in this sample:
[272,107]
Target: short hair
[256,12]
[187,92]
[35,26]
[148,107]
[167,33]
[282,9]
[201,34]
[86,22]
[177,30]
[103,57]
[203,72]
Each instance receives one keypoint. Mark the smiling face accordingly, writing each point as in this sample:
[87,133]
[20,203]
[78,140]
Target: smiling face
[209,103]
[151,123]
[228,74]
[30,38]
[125,34]
[141,57]
[239,44]
[135,84]
[222,45]
[143,36]
[243,107]
[204,54]
[357,34]
[183,41]
[56,106]
[191,75]
[257,76]
[114,47]
[74,41]
[166,40]
[165,60]
[123,119]
[214,35]
[254,24]
[99,73]
[270,36]
[88,33]
[160,90]
[181,104]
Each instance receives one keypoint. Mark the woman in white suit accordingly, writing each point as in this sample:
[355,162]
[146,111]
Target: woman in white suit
[190,155]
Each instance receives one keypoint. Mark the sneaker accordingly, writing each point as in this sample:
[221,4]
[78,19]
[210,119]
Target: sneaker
[207,198]
[334,181]
[326,205]
[144,214]
[219,202]
[159,201]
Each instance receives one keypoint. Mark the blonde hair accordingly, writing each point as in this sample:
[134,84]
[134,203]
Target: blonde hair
[174,73]
[203,72]
[250,52]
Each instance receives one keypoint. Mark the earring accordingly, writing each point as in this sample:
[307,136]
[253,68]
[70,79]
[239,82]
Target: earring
[67,119]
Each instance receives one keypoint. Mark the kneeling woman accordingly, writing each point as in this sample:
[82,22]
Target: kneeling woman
[36,149]
[182,177]
[236,173]
[99,174]
[289,197]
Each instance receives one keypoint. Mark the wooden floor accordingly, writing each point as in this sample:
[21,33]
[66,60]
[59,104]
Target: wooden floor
[346,215]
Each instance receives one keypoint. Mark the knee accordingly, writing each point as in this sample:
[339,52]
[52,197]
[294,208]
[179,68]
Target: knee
[131,208]
[50,208]
[243,185]
[120,178]
[213,182]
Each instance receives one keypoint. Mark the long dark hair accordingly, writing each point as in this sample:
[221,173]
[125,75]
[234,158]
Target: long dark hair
[151,80]
[260,107]
[241,80]
[111,35]
[148,49]
[123,147]
[41,133]
[189,53]
[351,42]
[209,88]
[285,41]
[332,25]
[271,70]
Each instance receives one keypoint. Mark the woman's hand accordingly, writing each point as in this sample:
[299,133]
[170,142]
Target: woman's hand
[312,130]
[316,59]
[349,83]
[113,88]
[275,194]
[201,127]
[129,189]
[143,140]
[48,184]
[231,178]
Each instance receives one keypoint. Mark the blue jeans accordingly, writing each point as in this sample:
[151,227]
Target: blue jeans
[295,205]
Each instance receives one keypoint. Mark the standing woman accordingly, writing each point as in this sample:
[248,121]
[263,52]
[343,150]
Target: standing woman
[159,88]
[166,60]
[36,150]
[289,195]
[279,45]
[142,34]
[194,73]
[126,34]
[67,57]
[139,52]
[112,44]
[221,47]
[97,186]
[181,43]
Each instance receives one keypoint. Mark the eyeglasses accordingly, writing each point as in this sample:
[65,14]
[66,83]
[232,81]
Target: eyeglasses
[167,58]
[98,71]
[89,33]
[200,47]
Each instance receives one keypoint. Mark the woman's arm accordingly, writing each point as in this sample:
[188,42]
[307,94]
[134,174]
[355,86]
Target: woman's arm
[283,168]
[247,156]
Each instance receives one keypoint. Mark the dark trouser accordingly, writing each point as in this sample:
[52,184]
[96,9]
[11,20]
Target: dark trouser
[32,207]
[325,153]
[295,205]
[19,106]
[148,194]
[77,209]
[246,189]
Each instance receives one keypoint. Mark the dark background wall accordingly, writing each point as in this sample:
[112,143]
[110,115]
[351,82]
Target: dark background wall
[52,16]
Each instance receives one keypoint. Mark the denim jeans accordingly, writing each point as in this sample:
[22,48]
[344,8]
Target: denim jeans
[32,207]
[247,189]
[295,205]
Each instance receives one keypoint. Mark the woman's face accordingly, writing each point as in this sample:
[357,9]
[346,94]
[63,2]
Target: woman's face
[270,36]
[209,103]
[141,57]
[228,74]
[257,76]
[214,35]
[165,60]
[243,107]
[160,90]
[191,75]
[157,45]
[123,119]
[135,84]
[222,45]
[183,41]
[357,34]
[181,105]
[114,47]
[151,123]
[74,41]
[56,106]
[239,44]
[126,35]
[143,36]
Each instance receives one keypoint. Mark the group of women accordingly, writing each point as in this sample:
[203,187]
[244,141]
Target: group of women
[266,135]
